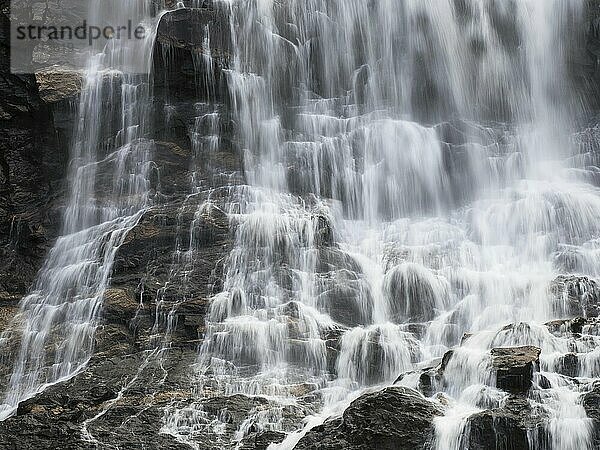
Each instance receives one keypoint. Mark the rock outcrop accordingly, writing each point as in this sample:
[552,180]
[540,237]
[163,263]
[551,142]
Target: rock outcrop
[152,321]
[575,296]
[514,367]
[394,418]
[192,47]
[32,172]
[508,427]
[591,402]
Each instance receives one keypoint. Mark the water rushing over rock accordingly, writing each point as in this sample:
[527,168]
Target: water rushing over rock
[57,320]
[435,140]
[415,204]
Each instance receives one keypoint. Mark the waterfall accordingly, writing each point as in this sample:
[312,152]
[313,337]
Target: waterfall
[410,179]
[57,321]
[417,194]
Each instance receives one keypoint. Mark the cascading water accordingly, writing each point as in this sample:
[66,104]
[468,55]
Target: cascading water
[58,319]
[415,183]
[414,175]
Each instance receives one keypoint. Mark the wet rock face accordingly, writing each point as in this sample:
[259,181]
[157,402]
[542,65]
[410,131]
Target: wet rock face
[117,400]
[514,370]
[575,296]
[514,367]
[591,404]
[57,86]
[65,414]
[261,440]
[414,293]
[568,365]
[192,47]
[32,171]
[507,427]
[188,27]
[120,398]
[128,383]
[587,69]
[393,418]
[345,294]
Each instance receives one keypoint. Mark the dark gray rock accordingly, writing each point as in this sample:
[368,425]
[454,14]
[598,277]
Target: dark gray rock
[343,299]
[324,234]
[261,440]
[179,60]
[32,171]
[144,291]
[144,261]
[333,341]
[445,360]
[429,380]
[504,428]
[394,418]
[568,365]
[562,326]
[591,402]
[119,399]
[575,296]
[344,293]
[412,295]
[514,367]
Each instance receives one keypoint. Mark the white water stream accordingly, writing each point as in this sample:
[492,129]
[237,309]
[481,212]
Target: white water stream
[57,321]
[434,142]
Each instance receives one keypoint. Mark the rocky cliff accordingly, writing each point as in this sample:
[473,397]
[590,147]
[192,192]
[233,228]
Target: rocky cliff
[153,314]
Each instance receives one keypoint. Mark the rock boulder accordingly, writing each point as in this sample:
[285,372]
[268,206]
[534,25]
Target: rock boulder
[394,418]
[514,367]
